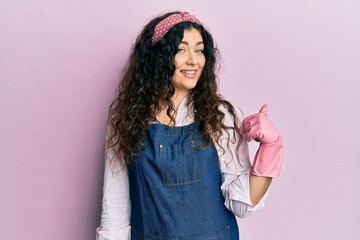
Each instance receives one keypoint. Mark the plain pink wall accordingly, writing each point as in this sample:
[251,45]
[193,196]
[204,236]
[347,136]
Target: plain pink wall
[59,66]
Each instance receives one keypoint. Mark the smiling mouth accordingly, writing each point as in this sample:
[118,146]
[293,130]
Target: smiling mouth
[189,73]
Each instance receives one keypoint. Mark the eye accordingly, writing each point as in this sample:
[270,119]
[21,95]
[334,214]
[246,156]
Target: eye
[200,51]
[181,50]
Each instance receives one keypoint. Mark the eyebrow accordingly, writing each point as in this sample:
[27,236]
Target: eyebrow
[187,43]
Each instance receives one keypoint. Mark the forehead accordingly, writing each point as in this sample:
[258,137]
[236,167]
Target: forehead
[192,35]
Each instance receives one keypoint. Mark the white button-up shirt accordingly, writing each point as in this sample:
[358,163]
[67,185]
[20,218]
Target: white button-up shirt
[116,207]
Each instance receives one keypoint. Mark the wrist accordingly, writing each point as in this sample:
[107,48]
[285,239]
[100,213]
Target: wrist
[278,141]
[268,159]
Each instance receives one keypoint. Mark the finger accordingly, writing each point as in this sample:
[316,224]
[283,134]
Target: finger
[253,133]
[245,125]
[254,121]
[244,130]
[252,137]
[264,109]
[258,136]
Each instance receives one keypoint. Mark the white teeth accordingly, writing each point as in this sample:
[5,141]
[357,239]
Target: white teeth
[189,72]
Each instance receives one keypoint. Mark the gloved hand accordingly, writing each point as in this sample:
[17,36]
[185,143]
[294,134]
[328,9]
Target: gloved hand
[268,158]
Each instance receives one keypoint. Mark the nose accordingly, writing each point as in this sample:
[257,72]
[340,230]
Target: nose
[192,60]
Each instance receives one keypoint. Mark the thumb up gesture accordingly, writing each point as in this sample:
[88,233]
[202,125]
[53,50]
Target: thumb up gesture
[258,127]
[268,158]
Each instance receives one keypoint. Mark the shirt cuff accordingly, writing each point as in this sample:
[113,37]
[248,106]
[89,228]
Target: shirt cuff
[123,234]
[237,196]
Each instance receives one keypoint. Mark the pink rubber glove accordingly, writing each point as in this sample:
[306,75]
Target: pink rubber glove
[268,158]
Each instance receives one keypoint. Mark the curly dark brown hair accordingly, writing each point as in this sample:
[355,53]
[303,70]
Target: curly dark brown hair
[146,83]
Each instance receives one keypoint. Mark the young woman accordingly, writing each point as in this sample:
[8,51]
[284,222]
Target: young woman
[177,162]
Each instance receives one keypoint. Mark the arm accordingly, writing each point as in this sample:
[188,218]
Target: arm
[258,187]
[237,186]
[116,206]
[242,191]
[268,158]
[241,194]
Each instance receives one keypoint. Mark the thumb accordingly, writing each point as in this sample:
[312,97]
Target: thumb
[264,109]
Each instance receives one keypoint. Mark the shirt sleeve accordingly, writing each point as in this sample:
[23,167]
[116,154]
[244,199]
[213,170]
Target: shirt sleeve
[116,205]
[235,171]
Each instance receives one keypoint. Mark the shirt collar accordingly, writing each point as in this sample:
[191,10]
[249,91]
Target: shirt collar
[185,113]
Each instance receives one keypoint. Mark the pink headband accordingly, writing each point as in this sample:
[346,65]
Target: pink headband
[166,24]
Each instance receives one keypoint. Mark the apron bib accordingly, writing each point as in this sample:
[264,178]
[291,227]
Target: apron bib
[175,188]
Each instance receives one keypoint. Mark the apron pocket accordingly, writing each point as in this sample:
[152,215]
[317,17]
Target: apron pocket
[179,164]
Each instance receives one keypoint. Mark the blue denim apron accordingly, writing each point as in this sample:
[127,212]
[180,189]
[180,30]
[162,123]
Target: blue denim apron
[175,188]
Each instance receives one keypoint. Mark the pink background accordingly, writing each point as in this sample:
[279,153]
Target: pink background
[59,66]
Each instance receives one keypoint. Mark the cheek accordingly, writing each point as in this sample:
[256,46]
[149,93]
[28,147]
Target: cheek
[203,60]
[176,64]
[178,61]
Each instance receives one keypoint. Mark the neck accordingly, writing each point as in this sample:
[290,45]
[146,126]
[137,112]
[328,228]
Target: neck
[162,116]
[178,97]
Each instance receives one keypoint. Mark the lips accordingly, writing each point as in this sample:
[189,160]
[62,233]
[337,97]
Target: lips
[189,73]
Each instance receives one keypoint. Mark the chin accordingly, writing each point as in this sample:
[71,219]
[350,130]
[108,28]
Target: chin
[192,86]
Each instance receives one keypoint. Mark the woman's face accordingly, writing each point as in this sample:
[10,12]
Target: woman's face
[189,62]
